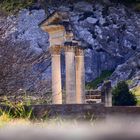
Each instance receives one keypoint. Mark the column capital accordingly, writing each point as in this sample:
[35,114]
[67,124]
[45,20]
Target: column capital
[69,48]
[55,49]
[79,51]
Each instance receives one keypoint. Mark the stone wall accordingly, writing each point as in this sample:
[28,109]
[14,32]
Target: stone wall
[83,111]
[70,111]
[123,110]
[80,111]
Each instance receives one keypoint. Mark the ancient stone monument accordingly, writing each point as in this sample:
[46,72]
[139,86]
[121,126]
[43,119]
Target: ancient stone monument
[62,39]
[107,94]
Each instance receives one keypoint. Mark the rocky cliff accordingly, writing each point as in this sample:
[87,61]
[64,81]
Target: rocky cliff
[110,33]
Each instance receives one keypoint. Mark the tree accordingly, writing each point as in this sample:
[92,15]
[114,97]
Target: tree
[122,96]
[21,68]
[16,69]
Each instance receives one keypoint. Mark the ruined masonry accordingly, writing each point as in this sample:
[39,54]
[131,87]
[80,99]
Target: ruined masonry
[62,39]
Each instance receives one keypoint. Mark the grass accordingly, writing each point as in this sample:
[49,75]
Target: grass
[7,118]
[15,110]
[17,114]
[104,76]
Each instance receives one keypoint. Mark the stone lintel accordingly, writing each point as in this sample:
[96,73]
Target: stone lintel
[55,50]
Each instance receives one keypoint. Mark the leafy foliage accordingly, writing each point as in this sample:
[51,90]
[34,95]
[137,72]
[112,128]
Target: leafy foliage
[122,96]
[13,6]
[136,91]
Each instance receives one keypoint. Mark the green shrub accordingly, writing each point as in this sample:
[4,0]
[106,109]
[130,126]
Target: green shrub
[122,96]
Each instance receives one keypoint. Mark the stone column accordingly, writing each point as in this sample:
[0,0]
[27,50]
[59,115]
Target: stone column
[56,75]
[107,93]
[70,75]
[109,99]
[80,76]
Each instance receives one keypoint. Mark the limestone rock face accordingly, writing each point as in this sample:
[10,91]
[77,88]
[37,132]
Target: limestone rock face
[128,70]
[83,7]
[24,29]
[110,33]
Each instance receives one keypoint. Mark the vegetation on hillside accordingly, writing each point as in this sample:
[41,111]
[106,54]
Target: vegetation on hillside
[122,96]
[13,6]
[95,83]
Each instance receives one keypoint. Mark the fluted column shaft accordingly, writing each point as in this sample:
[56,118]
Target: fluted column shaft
[70,75]
[56,75]
[80,76]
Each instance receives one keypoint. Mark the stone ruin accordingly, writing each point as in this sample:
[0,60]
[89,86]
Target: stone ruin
[61,39]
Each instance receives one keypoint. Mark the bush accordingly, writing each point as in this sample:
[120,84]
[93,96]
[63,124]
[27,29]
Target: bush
[122,96]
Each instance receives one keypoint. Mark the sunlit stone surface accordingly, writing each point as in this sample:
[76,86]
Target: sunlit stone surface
[80,76]
[56,75]
[70,75]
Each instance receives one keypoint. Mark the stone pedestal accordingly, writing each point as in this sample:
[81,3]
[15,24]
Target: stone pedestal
[70,75]
[80,76]
[56,75]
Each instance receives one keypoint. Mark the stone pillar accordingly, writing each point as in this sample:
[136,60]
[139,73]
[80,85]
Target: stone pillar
[70,75]
[109,99]
[80,76]
[107,94]
[56,75]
